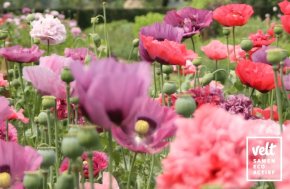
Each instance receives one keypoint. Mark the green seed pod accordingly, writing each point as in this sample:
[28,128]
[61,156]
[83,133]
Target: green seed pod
[3,35]
[48,157]
[74,100]
[66,75]
[278,29]
[32,180]
[15,83]
[97,39]
[48,102]
[169,88]
[88,137]
[185,106]
[197,61]
[71,147]
[65,181]
[226,31]
[246,44]
[30,18]
[36,41]
[276,55]
[42,118]
[167,69]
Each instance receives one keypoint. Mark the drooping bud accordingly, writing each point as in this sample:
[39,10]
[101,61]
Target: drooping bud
[95,20]
[97,39]
[66,75]
[207,78]
[185,106]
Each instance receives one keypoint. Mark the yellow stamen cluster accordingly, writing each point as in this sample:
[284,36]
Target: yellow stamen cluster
[5,180]
[142,127]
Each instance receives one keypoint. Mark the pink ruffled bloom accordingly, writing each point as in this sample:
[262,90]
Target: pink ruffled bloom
[15,160]
[49,30]
[47,73]
[21,55]
[76,31]
[79,54]
[5,110]
[3,82]
[105,183]
[12,132]
[215,50]
[100,163]
[18,115]
[209,150]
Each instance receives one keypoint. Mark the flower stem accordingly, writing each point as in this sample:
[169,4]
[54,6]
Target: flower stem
[45,175]
[271,104]
[20,77]
[216,68]
[131,170]
[162,83]
[278,96]
[105,30]
[77,179]
[179,78]
[192,42]
[49,128]
[91,171]
[110,140]
[151,171]
[56,141]
[234,42]
[48,48]
[131,52]
[68,103]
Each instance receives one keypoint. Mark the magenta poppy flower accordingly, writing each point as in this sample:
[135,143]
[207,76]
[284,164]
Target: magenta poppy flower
[5,110]
[100,163]
[286,82]
[215,50]
[107,89]
[15,160]
[160,32]
[21,55]
[12,132]
[191,20]
[79,54]
[48,72]
[147,127]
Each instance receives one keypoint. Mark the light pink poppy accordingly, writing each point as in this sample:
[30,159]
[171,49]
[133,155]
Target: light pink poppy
[215,50]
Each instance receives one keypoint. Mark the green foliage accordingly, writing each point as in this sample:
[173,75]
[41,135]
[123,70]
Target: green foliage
[145,20]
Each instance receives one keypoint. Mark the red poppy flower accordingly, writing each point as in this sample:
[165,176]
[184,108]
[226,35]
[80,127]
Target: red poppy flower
[167,52]
[260,39]
[233,14]
[285,7]
[256,75]
[215,50]
[285,20]
[266,113]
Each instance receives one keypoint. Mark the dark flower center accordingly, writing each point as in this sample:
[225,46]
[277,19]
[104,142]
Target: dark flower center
[4,169]
[116,116]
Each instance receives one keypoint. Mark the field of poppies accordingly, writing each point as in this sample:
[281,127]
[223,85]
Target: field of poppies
[174,108]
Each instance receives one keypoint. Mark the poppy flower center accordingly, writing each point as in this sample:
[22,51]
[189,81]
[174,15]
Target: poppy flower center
[116,116]
[5,177]
[187,24]
[236,14]
[142,127]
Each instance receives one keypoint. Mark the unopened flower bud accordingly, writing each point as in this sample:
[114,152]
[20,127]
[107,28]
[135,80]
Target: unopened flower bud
[73,130]
[32,180]
[95,20]
[207,78]
[167,69]
[42,118]
[97,39]
[36,41]
[66,75]
[48,157]
[74,100]
[276,55]
[185,106]
[48,102]
[15,83]
[30,18]
[71,147]
[185,85]
[278,29]
[169,88]
[226,31]
[3,34]
[197,61]
[246,44]
[135,42]
[142,127]
[88,137]
[65,181]
[11,72]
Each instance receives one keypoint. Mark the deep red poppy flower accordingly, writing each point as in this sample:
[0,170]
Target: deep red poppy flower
[285,7]
[260,39]
[256,75]
[233,14]
[167,52]
[266,113]
[285,20]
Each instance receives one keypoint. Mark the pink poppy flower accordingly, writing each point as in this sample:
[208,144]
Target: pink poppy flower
[48,29]
[215,50]
[285,7]
[12,132]
[79,54]
[3,82]
[21,55]
[204,146]
[76,31]
[260,39]
[15,160]
[105,183]
[18,116]
[5,110]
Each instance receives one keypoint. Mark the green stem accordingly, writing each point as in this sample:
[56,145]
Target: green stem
[105,30]
[195,78]
[48,48]
[192,42]
[252,92]
[216,68]
[45,175]
[56,141]
[131,52]
[151,171]
[110,142]
[91,170]
[7,131]
[131,170]
[234,42]
[155,81]
[279,102]
[179,78]
[271,104]
[20,77]
[77,179]
[68,102]
[162,83]
[49,128]
[124,159]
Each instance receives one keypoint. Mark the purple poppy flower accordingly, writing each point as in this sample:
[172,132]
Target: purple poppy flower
[5,110]
[160,32]
[21,55]
[147,127]
[191,20]
[261,56]
[79,54]
[107,89]
[48,72]
[15,160]
[286,81]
